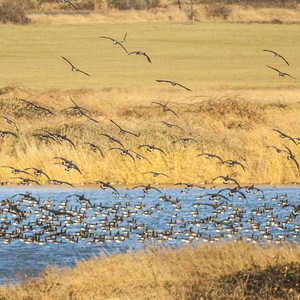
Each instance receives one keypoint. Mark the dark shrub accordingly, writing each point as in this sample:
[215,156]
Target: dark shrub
[13,11]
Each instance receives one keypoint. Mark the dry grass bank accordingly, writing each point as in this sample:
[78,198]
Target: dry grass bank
[171,13]
[232,127]
[232,270]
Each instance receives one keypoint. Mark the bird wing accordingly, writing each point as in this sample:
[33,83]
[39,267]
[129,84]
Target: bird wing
[68,62]
[284,59]
[184,87]
[148,58]
[269,51]
[83,72]
[273,69]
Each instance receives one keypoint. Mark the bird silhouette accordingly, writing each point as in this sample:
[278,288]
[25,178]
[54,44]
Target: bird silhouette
[165,108]
[173,83]
[141,53]
[123,131]
[280,73]
[116,42]
[277,55]
[75,69]
[36,107]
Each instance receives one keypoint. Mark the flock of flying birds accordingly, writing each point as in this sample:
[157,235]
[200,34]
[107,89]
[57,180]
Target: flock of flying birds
[33,220]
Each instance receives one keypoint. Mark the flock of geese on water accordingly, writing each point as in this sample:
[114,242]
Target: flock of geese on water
[146,213]
[244,212]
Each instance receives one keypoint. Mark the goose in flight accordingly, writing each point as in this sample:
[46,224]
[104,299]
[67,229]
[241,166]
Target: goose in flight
[36,107]
[10,122]
[123,131]
[173,83]
[116,42]
[5,133]
[165,108]
[81,111]
[59,182]
[231,163]
[226,179]
[210,156]
[38,172]
[141,53]
[75,69]
[277,55]
[280,73]
[169,125]
[94,148]
[283,135]
[112,139]
[15,170]
[105,185]
[147,188]
[292,157]
[151,148]
[123,152]
[155,174]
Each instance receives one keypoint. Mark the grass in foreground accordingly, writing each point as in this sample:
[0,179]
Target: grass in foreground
[231,270]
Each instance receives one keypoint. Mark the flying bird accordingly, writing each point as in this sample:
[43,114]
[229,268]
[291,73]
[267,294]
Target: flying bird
[173,83]
[123,131]
[115,42]
[141,53]
[292,157]
[210,156]
[151,148]
[10,122]
[171,125]
[5,133]
[231,163]
[75,69]
[155,174]
[38,172]
[277,55]
[105,185]
[36,107]
[112,139]
[124,152]
[94,148]
[280,73]
[226,179]
[165,108]
[59,182]
[283,135]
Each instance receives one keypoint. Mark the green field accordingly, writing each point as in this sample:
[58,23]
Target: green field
[200,56]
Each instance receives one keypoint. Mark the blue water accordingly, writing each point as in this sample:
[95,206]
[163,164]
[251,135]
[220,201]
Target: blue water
[36,232]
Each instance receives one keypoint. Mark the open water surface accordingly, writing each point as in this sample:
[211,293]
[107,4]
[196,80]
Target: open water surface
[53,226]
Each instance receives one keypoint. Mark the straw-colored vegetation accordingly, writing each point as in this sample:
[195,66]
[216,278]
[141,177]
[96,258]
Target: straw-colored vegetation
[235,101]
[232,270]
[232,127]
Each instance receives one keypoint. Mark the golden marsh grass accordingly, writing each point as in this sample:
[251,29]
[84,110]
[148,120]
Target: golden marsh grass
[231,270]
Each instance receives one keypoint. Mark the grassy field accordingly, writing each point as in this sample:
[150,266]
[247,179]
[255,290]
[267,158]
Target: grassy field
[201,56]
[232,270]
[234,104]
